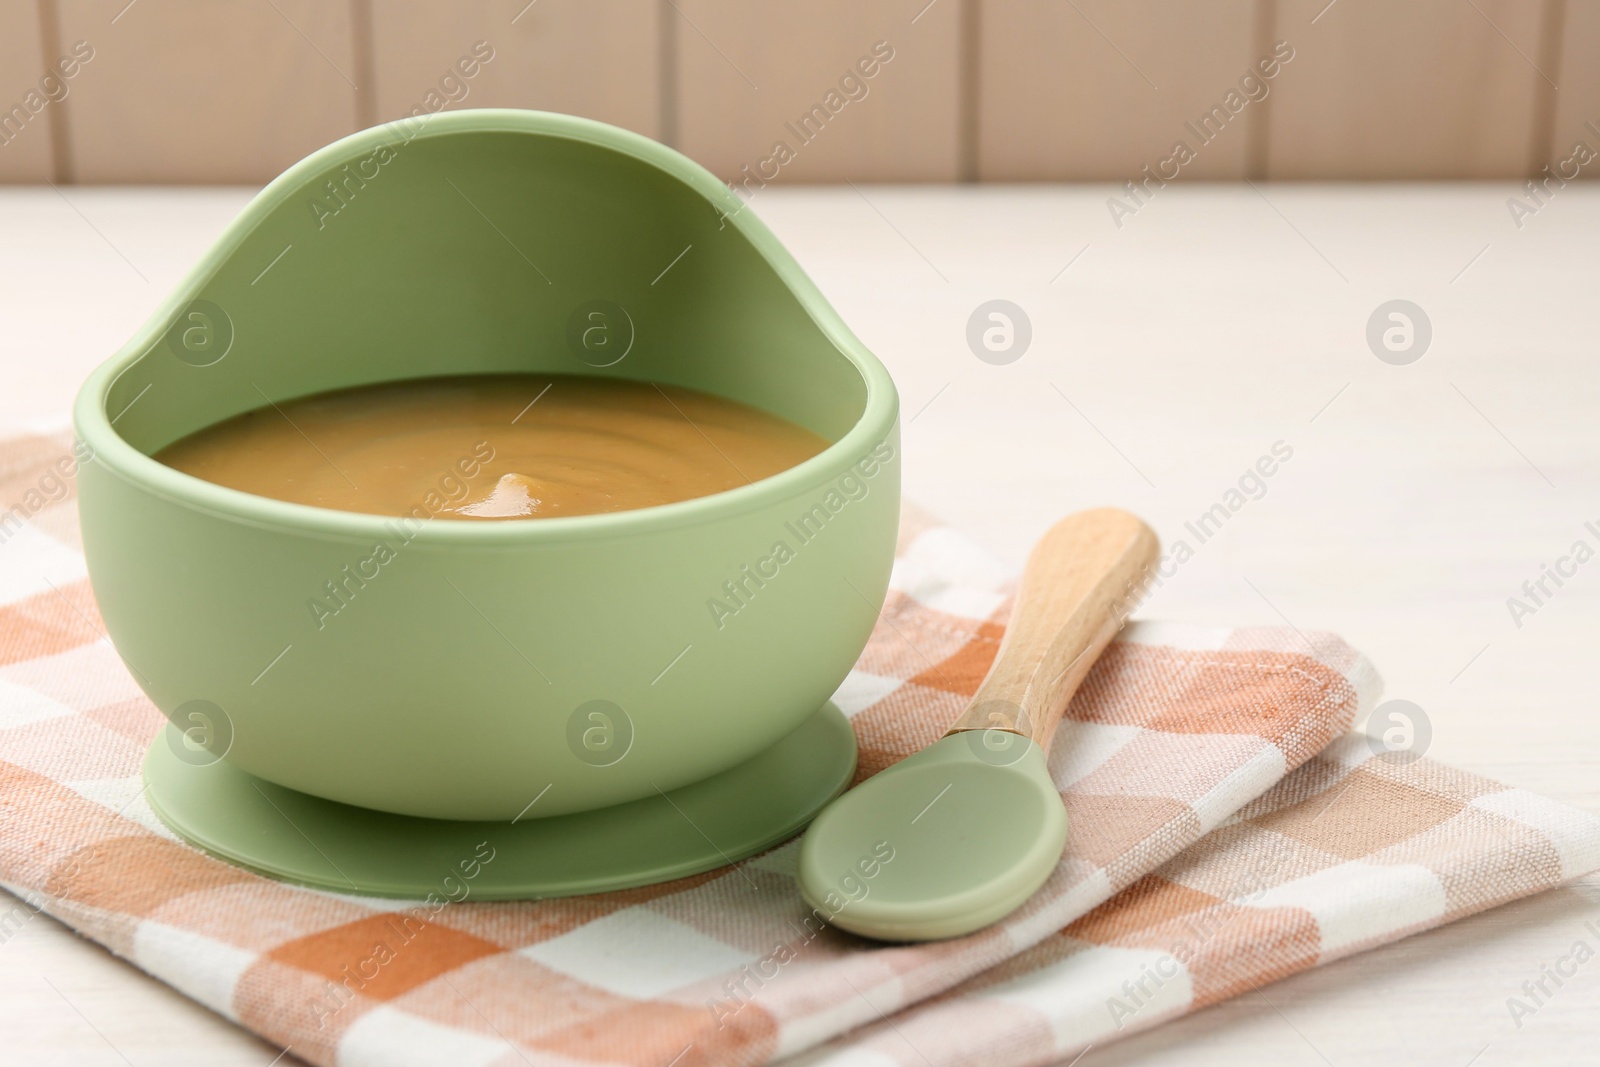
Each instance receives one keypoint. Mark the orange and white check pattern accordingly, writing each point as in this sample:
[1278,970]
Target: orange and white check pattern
[1214,797]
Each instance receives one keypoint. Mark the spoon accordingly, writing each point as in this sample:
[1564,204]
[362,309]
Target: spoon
[957,836]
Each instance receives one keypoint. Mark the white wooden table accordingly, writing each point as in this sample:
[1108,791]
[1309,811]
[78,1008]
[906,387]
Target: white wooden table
[1166,356]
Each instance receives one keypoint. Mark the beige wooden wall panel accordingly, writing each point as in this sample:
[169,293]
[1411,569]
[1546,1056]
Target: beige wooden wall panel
[205,91]
[1098,89]
[747,72]
[25,153]
[597,58]
[1577,110]
[1420,89]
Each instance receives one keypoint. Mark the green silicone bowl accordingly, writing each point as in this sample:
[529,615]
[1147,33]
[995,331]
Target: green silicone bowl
[455,669]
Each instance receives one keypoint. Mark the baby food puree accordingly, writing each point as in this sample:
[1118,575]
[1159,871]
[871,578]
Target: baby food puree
[495,447]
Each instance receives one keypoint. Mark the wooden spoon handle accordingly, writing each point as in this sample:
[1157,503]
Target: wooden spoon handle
[1080,582]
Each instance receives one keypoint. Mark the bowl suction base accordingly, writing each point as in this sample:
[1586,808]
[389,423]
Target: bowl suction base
[311,841]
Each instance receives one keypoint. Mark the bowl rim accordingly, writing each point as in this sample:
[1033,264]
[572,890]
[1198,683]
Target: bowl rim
[877,423]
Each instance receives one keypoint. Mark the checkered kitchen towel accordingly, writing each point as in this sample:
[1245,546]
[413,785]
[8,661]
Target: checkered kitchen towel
[1172,763]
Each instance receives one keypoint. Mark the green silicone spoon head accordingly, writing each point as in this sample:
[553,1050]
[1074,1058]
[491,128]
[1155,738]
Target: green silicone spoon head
[941,844]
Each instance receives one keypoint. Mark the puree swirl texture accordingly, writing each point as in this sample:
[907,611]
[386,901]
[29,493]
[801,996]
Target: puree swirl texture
[495,447]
